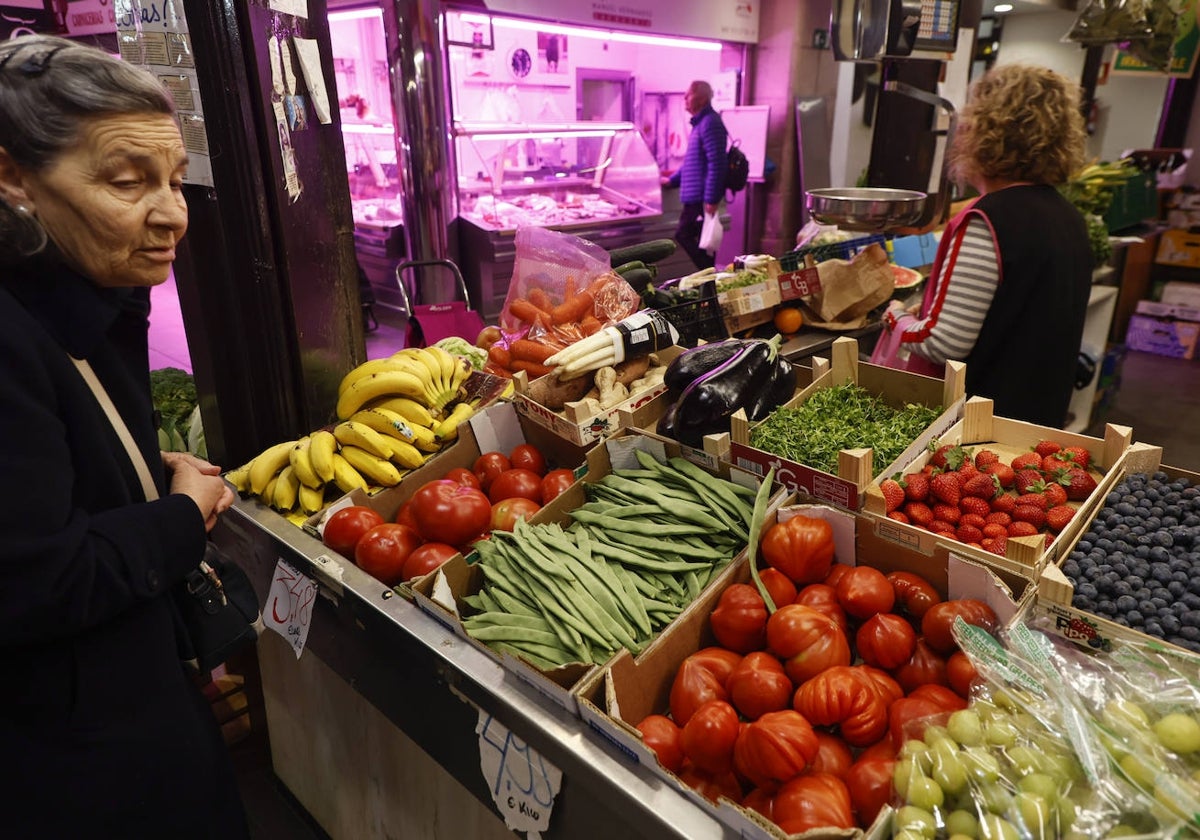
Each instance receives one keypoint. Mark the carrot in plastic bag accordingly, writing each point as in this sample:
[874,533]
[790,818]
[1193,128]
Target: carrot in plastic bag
[590,325]
[500,355]
[534,369]
[573,309]
[524,349]
[540,298]
[524,310]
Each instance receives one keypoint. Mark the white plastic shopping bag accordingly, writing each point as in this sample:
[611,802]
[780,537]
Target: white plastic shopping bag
[711,233]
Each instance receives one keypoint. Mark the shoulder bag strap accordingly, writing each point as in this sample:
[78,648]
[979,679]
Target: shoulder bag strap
[118,424]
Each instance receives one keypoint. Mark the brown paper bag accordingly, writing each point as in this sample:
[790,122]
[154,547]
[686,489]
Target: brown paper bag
[850,289]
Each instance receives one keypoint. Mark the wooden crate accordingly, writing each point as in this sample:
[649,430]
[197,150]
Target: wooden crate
[979,427]
[1053,604]
[856,468]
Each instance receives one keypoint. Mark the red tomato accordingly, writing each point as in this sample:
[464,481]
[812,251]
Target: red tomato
[835,574]
[450,513]
[941,695]
[938,623]
[463,476]
[842,696]
[711,785]
[913,592]
[489,465]
[869,781]
[525,456]
[887,687]
[909,716]
[863,591]
[815,800]
[345,528]
[885,640]
[426,558]
[516,483]
[660,734]
[506,513]
[801,548]
[806,640]
[775,748]
[779,585]
[739,621]
[404,516]
[758,685]
[823,598]
[833,756]
[701,677]
[759,800]
[554,483]
[709,736]
[924,666]
[961,673]
[382,551]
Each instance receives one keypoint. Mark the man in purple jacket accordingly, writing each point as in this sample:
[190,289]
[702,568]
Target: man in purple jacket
[701,178]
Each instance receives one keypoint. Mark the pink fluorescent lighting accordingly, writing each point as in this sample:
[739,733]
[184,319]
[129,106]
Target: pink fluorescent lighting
[355,14]
[596,34]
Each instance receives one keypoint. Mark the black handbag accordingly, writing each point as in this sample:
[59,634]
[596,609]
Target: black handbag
[216,601]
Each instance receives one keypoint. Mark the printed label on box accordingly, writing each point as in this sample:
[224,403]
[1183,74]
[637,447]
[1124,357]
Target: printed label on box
[800,283]
[796,477]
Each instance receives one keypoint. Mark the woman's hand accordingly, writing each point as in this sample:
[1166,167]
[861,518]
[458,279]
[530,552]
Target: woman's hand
[201,482]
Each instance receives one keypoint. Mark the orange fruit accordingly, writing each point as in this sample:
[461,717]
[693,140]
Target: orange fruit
[788,319]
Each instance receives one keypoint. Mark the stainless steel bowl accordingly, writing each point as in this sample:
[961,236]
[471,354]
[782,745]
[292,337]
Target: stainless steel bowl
[865,208]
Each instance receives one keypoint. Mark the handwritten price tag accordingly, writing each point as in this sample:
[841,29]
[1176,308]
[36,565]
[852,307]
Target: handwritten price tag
[289,605]
[523,783]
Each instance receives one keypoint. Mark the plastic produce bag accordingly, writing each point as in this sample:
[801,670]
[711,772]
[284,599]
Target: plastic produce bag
[562,289]
[711,233]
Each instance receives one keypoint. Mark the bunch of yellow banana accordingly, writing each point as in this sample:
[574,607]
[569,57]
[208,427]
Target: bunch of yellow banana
[429,376]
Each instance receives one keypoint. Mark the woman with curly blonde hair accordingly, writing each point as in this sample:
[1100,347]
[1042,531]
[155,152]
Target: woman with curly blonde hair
[1009,287]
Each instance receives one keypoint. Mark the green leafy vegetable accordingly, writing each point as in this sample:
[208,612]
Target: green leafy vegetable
[841,417]
[173,393]
[461,347]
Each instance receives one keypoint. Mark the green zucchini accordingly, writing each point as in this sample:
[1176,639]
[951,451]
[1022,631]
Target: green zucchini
[630,266]
[638,278]
[647,252]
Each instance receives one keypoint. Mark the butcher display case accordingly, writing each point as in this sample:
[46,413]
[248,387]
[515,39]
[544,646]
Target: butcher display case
[375,199]
[599,181]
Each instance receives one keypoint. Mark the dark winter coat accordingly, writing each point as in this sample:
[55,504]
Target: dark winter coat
[701,178]
[104,734]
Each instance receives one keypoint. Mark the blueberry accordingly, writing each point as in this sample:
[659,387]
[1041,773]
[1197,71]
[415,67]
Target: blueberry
[1144,540]
[1191,601]
[1112,498]
[1191,618]
[1143,594]
[1142,552]
[1135,582]
[1134,617]
[1087,590]
[1132,521]
[1122,620]
[1153,520]
[1113,520]
[1160,572]
[1071,569]
[1152,606]
[1083,546]
[1173,510]
[1093,573]
[1127,602]
[1163,539]
[1190,632]
[1106,607]
[1159,554]
[1081,603]
[1177,588]
[1194,585]
[1105,584]
[1122,587]
[1124,509]
[1190,521]
[1170,624]
[1153,628]
[1087,562]
[1153,495]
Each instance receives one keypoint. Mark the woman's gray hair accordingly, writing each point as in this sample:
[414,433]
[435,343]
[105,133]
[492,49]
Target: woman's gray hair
[49,88]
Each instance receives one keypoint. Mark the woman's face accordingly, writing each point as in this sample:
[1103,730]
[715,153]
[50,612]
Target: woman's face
[113,202]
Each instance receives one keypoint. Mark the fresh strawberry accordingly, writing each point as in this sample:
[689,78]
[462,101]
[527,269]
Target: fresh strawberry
[1050,538]
[974,504]
[1026,480]
[982,485]
[944,487]
[1005,474]
[893,494]
[948,456]
[984,457]
[1035,516]
[916,486]
[1058,517]
[1037,500]
[1057,461]
[918,513]
[999,546]
[1022,529]
[998,517]
[967,471]
[994,530]
[1081,484]
[1055,494]
[972,519]
[947,513]
[941,526]
[899,516]
[968,534]
[1004,503]
[1046,447]
[1082,458]
[1026,461]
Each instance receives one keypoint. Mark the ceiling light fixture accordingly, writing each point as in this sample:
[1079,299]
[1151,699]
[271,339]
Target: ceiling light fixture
[598,34]
[1001,8]
[355,14]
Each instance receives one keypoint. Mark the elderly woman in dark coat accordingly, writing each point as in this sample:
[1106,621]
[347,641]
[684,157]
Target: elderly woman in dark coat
[103,732]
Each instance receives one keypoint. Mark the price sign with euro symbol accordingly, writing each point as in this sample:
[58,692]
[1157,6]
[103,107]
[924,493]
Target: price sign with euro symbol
[523,783]
[289,605]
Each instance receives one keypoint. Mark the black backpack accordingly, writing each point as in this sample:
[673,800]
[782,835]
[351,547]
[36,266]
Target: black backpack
[739,168]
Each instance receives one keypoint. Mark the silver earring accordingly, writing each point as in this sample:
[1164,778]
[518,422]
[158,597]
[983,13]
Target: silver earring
[22,209]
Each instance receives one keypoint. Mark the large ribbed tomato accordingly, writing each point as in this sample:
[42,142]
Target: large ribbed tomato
[709,736]
[807,641]
[842,696]
[701,677]
[759,685]
[815,800]
[775,748]
[449,512]
[739,621]
[937,625]
[869,781]
[662,735]
[885,640]
[801,548]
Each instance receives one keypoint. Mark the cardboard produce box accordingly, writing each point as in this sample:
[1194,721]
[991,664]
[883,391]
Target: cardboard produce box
[1053,608]
[614,699]
[979,428]
[583,422]
[496,428]
[856,468]
[1162,336]
[441,594]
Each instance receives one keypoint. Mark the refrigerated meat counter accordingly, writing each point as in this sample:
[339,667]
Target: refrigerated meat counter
[373,726]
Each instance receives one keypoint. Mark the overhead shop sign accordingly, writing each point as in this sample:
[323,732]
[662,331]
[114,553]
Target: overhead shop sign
[90,17]
[17,19]
[723,20]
